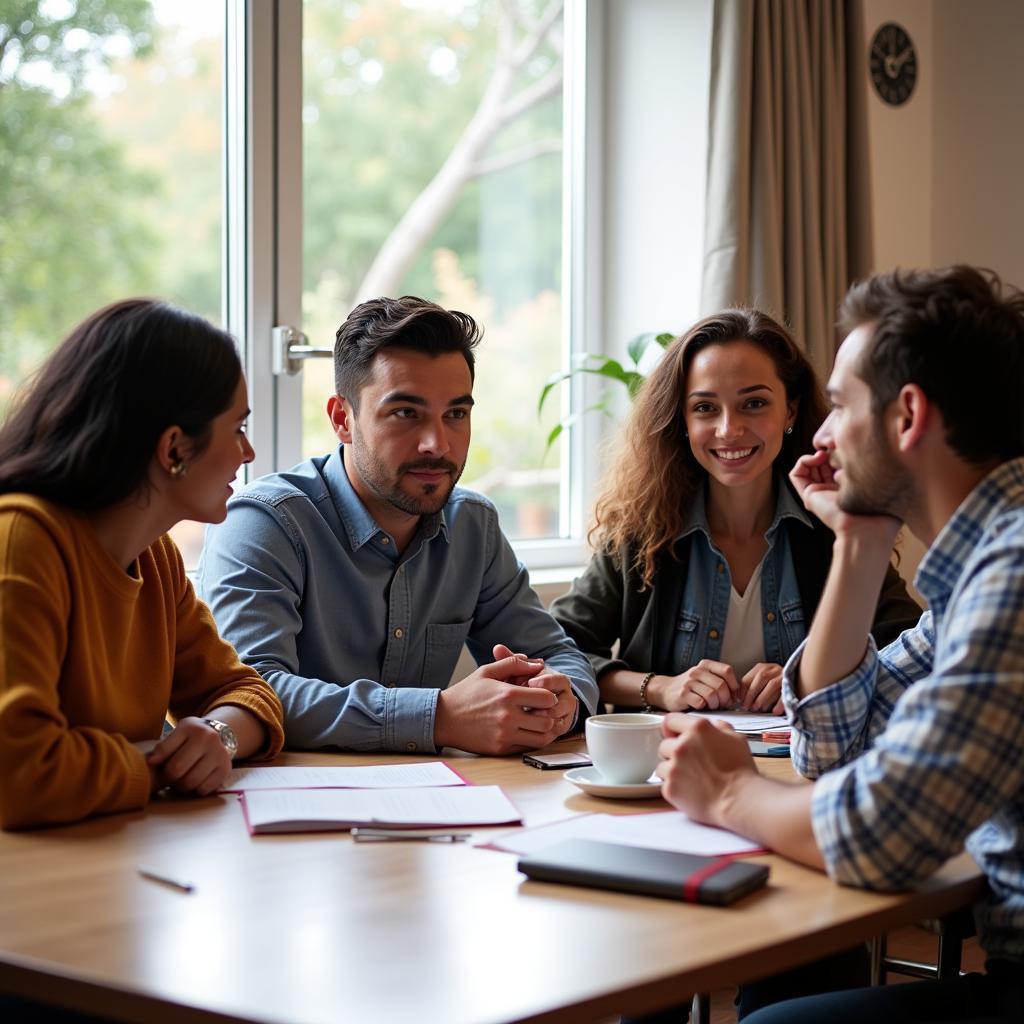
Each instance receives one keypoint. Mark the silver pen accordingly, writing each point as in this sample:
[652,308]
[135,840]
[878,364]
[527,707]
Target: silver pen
[384,835]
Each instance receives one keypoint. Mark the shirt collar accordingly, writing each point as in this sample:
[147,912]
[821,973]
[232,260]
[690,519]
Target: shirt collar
[943,563]
[360,526]
[786,507]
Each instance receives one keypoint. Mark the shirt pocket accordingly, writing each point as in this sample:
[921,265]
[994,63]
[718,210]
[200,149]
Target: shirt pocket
[793,627]
[441,651]
[686,638]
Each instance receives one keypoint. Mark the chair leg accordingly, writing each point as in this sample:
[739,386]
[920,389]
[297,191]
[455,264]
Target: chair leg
[950,953]
[878,956]
[701,1011]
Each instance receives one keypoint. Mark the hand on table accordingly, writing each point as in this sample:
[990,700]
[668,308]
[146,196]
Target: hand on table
[707,685]
[501,708]
[762,689]
[702,760]
[190,759]
[563,714]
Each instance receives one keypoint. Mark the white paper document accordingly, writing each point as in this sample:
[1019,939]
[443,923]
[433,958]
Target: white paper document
[315,810]
[374,776]
[747,721]
[659,830]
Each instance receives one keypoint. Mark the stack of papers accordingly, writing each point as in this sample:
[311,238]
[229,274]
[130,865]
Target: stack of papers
[748,722]
[658,830]
[374,776]
[325,810]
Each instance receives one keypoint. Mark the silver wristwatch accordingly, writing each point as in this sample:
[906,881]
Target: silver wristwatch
[226,734]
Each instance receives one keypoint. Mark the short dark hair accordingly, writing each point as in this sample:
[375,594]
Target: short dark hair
[85,428]
[407,322]
[958,334]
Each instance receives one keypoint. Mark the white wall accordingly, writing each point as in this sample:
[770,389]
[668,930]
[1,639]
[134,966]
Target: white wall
[977,198]
[657,60]
[946,166]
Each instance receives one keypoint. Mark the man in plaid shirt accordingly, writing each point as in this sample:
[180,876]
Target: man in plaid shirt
[918,749]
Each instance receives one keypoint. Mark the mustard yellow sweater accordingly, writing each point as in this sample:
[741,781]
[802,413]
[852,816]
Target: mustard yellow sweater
[92,659]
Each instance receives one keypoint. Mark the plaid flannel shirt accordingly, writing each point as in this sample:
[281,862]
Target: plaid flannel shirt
[920,751]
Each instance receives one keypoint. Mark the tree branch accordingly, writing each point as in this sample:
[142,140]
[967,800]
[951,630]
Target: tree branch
[515,156]
[533,94]
[528,46]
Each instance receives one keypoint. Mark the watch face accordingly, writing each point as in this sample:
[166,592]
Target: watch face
[893,64]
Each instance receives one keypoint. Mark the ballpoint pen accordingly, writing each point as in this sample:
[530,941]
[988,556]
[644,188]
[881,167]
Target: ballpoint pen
[383,835]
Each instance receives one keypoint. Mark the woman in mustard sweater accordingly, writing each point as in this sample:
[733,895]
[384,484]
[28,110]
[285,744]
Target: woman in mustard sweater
[135,422]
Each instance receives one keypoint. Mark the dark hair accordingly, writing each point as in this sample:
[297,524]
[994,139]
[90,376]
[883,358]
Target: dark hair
[956,335]
[86,426]
[650,484]
[407,322]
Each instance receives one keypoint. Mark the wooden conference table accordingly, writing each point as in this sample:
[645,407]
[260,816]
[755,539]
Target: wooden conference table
[308,929]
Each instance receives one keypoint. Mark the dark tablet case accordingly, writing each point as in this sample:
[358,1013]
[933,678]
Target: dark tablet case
[674,876]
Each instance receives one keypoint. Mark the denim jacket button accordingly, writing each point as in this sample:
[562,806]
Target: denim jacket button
[770,616]
[713,634]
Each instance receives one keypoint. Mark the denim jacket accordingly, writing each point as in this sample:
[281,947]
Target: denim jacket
[608,604]
[700,627]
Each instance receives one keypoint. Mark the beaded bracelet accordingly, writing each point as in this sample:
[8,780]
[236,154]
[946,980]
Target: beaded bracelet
[643,691]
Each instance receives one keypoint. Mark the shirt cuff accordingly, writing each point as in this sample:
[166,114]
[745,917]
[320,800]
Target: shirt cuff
[828,724]
[409,716]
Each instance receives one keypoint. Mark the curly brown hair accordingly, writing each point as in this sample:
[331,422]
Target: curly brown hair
[652,479]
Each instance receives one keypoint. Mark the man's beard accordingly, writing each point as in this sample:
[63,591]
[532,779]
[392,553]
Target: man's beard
[880,486]
[386,488]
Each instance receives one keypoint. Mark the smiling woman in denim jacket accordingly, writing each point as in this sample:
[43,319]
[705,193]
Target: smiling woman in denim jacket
[707,569]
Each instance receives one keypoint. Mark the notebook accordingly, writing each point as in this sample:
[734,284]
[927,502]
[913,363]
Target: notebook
[675,876]
[318,810]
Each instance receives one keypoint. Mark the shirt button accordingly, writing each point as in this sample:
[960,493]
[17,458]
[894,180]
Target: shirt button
[385,540]
[721,567]
[713,634]
[410,746]
[770,616]
[398,634]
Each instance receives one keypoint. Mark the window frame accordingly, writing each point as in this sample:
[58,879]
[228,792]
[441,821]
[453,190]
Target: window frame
[263,240]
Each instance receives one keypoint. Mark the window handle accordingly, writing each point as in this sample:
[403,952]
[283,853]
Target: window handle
[289,348]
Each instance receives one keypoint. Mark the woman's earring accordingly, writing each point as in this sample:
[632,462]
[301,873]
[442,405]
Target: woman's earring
[178,469]
[789,430]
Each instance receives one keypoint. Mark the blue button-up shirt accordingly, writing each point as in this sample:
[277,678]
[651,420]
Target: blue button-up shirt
[923,744]
[705,606]
[356,638]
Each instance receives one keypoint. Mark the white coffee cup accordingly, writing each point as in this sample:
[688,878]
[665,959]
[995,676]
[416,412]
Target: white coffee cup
[624,748]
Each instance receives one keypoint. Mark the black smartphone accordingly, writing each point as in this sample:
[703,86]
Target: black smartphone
[548,761]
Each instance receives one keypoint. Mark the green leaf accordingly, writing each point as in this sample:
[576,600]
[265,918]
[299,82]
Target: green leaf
[638,346]
[599,406]
[550,384]
[665,339]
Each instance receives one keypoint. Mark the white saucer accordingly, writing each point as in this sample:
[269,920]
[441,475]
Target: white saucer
[592,783]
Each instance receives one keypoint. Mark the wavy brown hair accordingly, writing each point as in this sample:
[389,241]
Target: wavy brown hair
[647,490]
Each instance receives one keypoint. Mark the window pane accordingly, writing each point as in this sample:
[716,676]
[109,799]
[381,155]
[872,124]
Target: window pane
[417,105]
[110,169]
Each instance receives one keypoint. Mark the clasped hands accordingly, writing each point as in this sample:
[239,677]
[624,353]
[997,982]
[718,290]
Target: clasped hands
[508,706]
[712,685]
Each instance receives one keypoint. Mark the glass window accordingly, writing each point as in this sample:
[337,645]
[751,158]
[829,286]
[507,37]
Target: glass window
[432,165]
[110,168]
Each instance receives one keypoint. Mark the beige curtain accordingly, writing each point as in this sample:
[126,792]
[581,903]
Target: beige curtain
[787,222]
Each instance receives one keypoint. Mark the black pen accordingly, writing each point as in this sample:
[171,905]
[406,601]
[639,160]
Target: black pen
[174,883]
[384,835]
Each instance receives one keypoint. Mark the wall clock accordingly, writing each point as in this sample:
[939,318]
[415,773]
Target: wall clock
[892,64]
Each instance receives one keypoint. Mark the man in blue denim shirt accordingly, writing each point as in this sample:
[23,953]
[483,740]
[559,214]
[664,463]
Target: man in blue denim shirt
[351,581]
